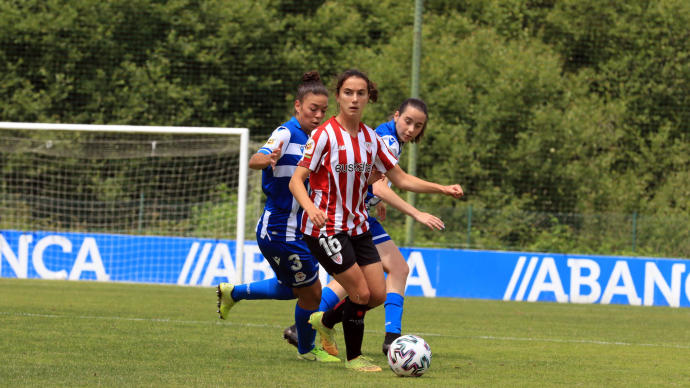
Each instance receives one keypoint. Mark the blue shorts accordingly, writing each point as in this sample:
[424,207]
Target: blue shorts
[291,261]
[378,234]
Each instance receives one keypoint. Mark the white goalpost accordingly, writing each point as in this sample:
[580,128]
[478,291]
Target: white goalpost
[123,202]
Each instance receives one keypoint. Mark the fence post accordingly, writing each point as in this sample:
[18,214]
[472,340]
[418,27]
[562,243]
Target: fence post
[414,92]
[634,230]
[141,211]
[469,225]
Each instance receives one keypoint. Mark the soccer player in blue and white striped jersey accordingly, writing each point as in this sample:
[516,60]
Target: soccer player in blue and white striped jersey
[278,231]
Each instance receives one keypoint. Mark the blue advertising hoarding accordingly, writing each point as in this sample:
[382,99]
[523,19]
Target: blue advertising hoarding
[517,276]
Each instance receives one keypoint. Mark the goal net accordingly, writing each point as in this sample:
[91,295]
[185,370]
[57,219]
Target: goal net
[122,203]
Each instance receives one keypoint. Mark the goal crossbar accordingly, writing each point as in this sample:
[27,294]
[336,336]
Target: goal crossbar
[243,162]
[126,128]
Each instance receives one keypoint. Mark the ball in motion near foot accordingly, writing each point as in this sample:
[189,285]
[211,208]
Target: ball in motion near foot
[409,355]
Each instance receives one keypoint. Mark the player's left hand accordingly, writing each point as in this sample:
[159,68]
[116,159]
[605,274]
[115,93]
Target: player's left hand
[381,211]
[454,191]
[375,175]
[430,220]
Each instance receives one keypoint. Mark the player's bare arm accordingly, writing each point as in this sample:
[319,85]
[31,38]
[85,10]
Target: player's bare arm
[389,196]
[375,176]
[299,191]
[259,161]
[409,182]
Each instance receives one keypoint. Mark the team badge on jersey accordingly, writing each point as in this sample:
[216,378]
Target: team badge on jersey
[367,146]
[309,148]
[300,277]
[392,144]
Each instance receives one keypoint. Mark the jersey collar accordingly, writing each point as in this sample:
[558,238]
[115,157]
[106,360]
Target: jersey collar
[293,120]
[391,126]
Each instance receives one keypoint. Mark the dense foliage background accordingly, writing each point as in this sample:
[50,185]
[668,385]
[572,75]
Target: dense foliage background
[566,122]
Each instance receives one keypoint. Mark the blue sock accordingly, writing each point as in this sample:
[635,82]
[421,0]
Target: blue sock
[305,333]
[263,289]
[394,310]
[328,299]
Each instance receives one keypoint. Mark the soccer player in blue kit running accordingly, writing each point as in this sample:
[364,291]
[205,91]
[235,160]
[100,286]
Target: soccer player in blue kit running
[278,231]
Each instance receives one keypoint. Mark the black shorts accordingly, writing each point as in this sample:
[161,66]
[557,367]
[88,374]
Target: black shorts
[341,251]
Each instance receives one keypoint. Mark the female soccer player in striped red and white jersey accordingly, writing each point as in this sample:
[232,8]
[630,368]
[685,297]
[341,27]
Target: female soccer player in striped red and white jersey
[341,158]
[407,124]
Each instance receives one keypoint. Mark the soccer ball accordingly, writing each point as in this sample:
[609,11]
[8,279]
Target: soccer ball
[409,355]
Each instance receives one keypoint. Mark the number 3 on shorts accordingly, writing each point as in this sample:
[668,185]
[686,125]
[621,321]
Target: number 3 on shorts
[296,263]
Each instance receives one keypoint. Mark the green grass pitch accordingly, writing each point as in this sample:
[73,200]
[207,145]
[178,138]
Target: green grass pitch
[62,333]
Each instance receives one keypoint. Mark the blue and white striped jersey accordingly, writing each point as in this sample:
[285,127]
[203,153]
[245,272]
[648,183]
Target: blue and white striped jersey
[389,135]
[282,213]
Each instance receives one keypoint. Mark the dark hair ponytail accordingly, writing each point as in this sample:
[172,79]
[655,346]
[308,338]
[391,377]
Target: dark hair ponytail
[311,83]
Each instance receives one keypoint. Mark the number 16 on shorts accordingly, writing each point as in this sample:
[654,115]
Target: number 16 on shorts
[332,246]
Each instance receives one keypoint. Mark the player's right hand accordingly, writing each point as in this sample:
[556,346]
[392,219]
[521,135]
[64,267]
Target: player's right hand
[454,191]
[275,155]
[317,217]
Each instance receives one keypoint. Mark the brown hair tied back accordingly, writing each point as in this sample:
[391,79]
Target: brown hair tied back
[311,83]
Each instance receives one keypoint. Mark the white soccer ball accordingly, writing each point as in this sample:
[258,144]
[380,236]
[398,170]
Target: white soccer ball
[409,355]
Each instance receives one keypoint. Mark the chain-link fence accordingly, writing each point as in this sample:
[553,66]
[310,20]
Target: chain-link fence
[567,123]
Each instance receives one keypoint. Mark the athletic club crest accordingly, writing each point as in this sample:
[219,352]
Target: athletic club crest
[337,258]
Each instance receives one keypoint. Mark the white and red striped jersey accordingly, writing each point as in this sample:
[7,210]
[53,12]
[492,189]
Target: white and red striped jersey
[340,167]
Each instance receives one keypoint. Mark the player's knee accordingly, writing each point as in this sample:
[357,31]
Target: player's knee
[399,271]
[361,296]
[309,297]
[308,304]
[377,298]
[313,298]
